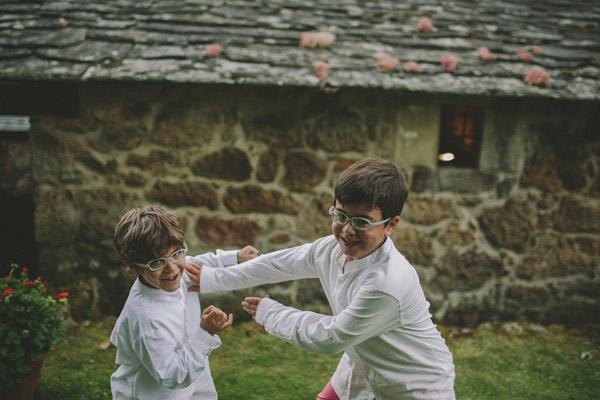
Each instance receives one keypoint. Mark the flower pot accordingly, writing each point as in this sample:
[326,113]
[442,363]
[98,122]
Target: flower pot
[24,390]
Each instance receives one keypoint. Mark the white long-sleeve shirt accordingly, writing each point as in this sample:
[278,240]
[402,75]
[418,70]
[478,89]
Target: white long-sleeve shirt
[381,318]
[161,349]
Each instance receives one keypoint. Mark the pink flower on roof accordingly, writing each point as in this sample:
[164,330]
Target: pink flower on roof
[316,39]
[537,50]
[307,39]
[381,56]
[425,25]
[524,55]
[412,67]
[212,50]
[537,77]
[449,62]
[322,69]
[325,39]
[386,62]
[485,54]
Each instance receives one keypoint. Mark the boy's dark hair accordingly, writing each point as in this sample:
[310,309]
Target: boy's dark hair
[375,182]
[147,233]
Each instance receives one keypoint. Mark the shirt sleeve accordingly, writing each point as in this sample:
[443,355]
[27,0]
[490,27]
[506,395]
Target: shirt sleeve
[173,365]
[223,258]
[278,266]
[369,314]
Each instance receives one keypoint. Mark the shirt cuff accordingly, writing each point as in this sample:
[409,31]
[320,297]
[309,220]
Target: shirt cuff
[228,257]
[263,308]
[204,342]
[206,279]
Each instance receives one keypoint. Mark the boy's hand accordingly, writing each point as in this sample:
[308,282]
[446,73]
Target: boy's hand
[214,320]
[247,253]
[193,271]
[250,305]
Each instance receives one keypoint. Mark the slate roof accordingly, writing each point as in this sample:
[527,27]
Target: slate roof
[165,41]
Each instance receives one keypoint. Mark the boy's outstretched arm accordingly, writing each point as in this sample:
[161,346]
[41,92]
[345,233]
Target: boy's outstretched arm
[194,269]
[369,314]
[214,320]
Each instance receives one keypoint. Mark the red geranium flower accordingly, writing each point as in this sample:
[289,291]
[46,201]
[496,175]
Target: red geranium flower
[62,294]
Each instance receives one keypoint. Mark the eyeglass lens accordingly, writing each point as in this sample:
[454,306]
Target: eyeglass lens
[356,222]
[160,263]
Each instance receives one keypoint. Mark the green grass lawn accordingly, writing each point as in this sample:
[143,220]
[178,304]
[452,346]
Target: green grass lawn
[492,362]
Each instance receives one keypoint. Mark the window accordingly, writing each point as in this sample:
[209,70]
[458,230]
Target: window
[14,123]
[460,136]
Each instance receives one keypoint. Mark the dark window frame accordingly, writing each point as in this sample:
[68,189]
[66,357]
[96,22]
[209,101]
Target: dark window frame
[461,134]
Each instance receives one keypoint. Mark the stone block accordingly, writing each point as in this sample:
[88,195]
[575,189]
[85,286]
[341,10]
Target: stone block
[303,171]
[55,158]
[102,208]
[278,130]
[223,233]
[229,164]
[588,288]
[194,194]
[268,166]
[463,180]
[338,131]
[255,199]
[509,226]
[342,163]
[455,236]
[578,216]
[424,180]
[541,171]
[467,271]
[57,218]
[315,221]
[184,123]
[518,297]
[417,248]
[426,211]
[155,160]
[552,260]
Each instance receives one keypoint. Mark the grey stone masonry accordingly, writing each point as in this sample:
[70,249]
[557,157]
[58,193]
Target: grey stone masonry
[143,40]
[503,241]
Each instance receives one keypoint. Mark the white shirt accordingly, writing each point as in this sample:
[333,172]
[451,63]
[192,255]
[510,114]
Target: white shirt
[161,349]
[381,319]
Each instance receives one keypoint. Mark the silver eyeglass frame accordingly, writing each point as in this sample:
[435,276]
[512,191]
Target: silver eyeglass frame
[332,211]
[165,260]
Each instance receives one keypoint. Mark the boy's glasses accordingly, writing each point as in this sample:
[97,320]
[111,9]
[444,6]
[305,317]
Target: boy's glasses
[159,263]
[358,223]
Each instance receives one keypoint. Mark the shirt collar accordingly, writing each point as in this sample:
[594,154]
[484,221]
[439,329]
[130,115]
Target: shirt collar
[365,261]
[154,291]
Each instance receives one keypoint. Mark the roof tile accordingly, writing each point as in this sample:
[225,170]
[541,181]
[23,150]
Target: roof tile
[137,40]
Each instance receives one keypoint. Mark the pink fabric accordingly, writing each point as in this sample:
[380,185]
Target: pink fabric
[328,393]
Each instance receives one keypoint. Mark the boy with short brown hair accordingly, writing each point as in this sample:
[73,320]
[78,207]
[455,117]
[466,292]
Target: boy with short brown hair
[381,320]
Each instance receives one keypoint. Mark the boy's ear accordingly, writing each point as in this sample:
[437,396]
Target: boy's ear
[132,270]
[391,225]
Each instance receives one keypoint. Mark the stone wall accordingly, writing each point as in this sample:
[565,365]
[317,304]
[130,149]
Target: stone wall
[517,239]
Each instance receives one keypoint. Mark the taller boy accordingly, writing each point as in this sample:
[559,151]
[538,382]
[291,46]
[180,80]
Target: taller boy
[381,319]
